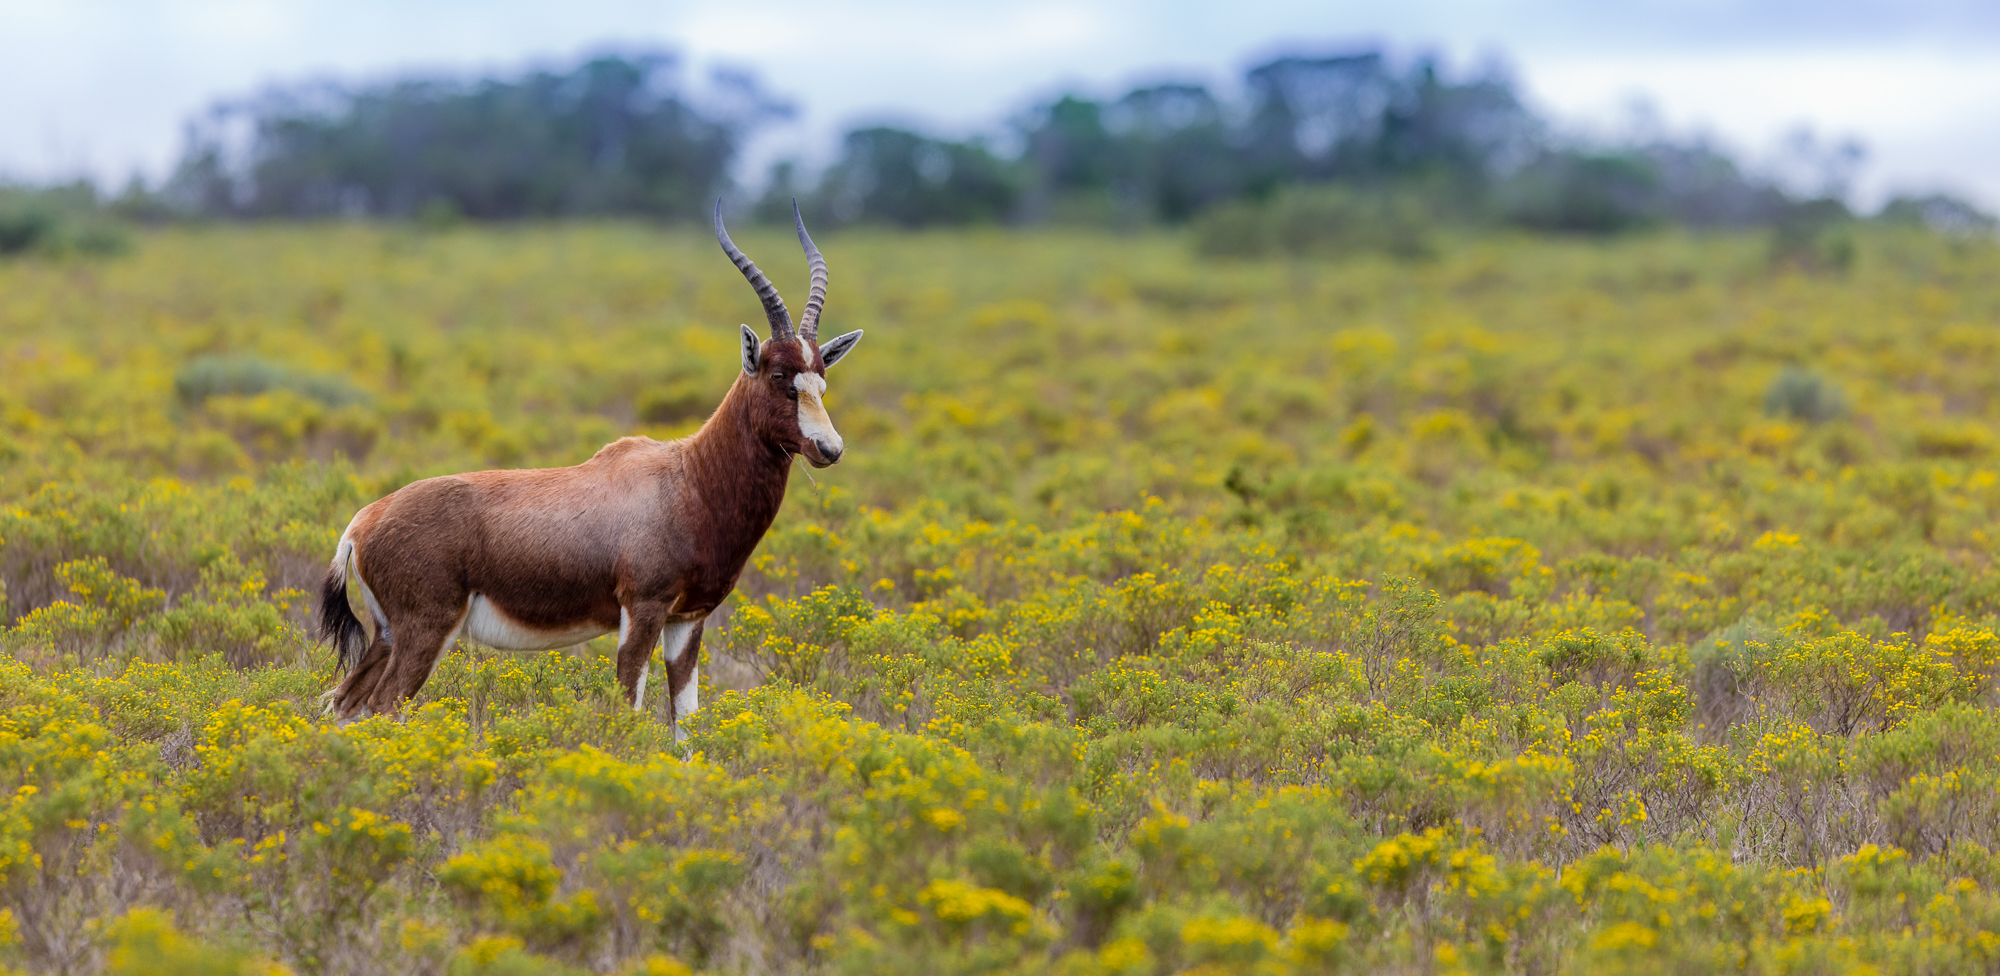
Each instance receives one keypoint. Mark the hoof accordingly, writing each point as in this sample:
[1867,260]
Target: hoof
[332,709]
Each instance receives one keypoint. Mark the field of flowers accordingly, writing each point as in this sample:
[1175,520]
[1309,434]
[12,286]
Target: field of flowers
[1536,607]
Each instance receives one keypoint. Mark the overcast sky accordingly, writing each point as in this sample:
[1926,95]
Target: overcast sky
[103,86]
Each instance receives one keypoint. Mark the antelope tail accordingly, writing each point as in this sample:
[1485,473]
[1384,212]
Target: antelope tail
[337,623]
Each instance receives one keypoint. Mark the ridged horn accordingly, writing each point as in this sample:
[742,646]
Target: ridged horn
[809,319]
[774,307]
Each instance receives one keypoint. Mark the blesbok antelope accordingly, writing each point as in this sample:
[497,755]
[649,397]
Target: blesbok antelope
[645,538]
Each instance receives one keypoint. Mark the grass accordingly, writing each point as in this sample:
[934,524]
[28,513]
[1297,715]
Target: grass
[1537,606]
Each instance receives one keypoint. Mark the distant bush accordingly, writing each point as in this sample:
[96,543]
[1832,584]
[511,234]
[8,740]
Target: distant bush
[1813,235]
[674,403]
[1801,394]
[1592,193]
[1940,212]
[904,179]
[1327,222]
[57,221]
[26,228]
[240,374]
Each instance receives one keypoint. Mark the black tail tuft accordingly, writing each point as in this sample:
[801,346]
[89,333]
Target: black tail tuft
[337,623]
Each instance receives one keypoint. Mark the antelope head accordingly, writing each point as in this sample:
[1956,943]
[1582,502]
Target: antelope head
[785,375]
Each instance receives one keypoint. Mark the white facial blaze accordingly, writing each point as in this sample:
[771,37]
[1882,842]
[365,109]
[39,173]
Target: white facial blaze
[813,421]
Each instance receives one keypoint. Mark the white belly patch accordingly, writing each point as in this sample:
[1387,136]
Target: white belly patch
[489,625]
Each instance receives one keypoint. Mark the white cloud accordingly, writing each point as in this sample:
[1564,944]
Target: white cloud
[906,34]
[1922,114]
[104,85]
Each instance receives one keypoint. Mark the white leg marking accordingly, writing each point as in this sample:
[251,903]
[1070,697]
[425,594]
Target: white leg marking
[675,639]
[639,693]
[687,701]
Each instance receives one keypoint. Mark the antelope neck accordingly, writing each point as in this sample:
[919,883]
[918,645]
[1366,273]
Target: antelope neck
[738,475]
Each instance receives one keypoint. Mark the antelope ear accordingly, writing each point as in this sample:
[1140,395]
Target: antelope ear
[750,346]
[834,350]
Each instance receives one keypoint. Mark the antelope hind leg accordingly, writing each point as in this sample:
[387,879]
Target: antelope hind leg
[347,698]
[420,644]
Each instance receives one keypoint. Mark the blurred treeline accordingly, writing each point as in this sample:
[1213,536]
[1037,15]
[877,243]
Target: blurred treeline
[611,136]
[1320,154]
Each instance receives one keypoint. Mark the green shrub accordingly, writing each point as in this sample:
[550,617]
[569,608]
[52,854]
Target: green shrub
[1801,394]
[1317,223]
[241,374]
[57,221]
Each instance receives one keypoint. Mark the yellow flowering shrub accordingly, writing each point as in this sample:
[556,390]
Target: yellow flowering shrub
[1303,616]
[144,941]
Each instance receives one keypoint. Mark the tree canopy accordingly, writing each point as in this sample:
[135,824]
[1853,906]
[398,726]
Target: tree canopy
[613,135]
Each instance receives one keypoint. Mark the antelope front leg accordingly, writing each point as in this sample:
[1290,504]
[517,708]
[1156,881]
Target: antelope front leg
[638,630]
[683,649]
